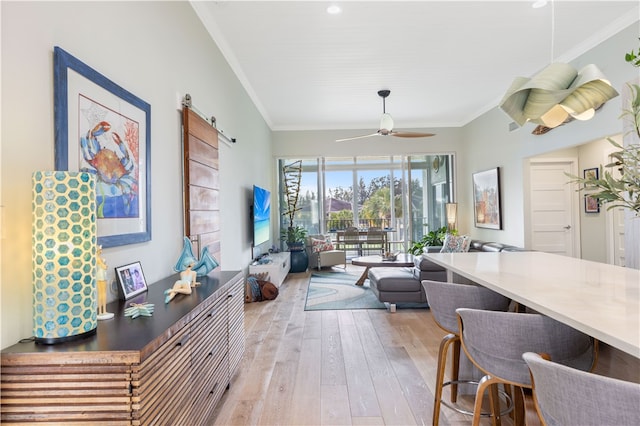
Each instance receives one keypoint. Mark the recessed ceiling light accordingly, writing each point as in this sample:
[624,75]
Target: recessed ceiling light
[539,3]
[333,9]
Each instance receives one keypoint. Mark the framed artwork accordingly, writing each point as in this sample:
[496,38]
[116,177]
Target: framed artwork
[592,173]
[131,279]
[486,199]
[103,129]
[591,204]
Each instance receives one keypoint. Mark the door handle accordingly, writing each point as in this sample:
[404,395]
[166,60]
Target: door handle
[567,227]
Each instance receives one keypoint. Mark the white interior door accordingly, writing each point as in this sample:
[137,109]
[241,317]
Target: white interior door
[553,212]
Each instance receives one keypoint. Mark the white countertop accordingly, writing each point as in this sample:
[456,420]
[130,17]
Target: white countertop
[598,299]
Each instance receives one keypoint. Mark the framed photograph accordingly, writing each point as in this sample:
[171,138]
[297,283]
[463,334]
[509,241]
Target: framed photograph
[486,199]
[103,129]
[131,279]
[591,204]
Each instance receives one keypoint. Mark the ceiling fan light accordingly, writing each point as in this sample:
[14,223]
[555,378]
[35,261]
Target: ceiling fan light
[386,122]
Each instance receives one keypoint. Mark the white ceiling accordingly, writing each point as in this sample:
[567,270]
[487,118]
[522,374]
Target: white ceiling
[445,62]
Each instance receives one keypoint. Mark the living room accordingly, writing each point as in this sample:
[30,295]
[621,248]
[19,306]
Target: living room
[146,47]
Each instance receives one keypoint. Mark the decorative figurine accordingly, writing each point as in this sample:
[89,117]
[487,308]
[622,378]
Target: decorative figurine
[101,279]
[190,276]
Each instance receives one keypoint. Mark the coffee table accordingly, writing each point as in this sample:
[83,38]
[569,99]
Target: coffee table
[376,261]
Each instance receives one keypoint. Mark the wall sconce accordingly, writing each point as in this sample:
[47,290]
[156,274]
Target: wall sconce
[556,94]
[452,216]
[63,256]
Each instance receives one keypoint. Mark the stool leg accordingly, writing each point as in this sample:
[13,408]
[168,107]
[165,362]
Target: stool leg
[455,370]
[442,363]
[483,385]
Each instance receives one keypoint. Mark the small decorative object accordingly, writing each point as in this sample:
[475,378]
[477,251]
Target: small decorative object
[180,286]
[189,276]
[486,199]
[64,256]
[101,281]
[139,310]
[202,267]
[131,279]
[389,256]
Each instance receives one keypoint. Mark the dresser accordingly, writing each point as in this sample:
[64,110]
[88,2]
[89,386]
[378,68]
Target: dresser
[170,368]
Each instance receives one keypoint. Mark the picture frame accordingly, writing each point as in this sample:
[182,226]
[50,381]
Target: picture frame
[591,173]
[486,199]
[131,279]
[591,204]
[104,129]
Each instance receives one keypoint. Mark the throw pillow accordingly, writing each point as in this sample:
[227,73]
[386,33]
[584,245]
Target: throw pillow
[321,245]
[455,244]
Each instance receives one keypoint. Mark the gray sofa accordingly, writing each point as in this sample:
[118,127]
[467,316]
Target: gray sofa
[401,285]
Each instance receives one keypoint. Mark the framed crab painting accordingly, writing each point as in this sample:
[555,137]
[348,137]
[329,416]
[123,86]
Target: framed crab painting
[104,129]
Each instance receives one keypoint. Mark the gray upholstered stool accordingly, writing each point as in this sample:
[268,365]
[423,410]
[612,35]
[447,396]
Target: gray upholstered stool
[444,298]
[396,285]
[565,396]
[495,342]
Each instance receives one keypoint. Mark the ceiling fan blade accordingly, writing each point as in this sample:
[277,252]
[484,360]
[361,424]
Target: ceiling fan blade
[411,134]
[358,137]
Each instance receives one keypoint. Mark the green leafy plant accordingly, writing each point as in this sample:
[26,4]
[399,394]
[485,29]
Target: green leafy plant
[433,238]
[622,191]
[293,235]
[633,58]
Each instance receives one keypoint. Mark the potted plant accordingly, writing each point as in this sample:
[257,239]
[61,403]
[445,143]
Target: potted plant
[294,235]
[433,239]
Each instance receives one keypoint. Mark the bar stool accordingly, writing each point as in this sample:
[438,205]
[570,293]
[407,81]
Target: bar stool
[495,342]
[444,298]
[564,396]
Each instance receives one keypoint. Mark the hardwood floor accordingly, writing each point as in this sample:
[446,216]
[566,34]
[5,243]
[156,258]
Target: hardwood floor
[358,367]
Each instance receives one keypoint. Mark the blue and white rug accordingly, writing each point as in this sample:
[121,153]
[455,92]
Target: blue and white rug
[334,290]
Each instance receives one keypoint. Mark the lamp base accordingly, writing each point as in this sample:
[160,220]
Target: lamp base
[57,340]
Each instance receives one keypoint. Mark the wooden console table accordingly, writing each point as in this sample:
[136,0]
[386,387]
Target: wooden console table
[170,368]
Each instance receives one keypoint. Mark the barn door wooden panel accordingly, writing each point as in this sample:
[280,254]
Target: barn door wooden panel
[201,183]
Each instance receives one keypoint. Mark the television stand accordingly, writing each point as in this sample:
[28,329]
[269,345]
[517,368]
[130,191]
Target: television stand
[277,269]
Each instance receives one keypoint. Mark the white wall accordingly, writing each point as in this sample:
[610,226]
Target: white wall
[159,51]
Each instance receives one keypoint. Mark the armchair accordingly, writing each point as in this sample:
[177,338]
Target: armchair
[322,253]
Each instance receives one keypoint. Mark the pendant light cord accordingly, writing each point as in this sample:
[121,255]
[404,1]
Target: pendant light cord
[553,28]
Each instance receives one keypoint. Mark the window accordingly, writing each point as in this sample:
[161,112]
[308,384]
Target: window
[405,195]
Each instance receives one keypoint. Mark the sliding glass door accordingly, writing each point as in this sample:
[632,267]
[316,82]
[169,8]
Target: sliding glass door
[405,196]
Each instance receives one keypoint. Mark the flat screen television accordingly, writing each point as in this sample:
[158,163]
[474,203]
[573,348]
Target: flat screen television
[261,215]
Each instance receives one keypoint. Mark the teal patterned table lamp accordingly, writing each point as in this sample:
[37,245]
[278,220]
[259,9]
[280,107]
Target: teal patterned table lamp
[64,256]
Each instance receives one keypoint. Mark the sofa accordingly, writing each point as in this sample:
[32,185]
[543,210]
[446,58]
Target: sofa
[401,285]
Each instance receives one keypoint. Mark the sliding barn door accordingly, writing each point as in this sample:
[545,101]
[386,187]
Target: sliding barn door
[201,183]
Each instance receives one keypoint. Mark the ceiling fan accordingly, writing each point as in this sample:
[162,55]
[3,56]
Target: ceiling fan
[386,125]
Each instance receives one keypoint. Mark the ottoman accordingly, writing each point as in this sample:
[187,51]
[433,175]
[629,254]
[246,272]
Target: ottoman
[396,285]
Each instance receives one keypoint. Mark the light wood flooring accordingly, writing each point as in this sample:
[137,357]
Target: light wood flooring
[348,367]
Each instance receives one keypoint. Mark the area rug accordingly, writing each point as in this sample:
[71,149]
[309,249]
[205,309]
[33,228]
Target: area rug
[334,290]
